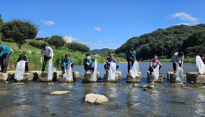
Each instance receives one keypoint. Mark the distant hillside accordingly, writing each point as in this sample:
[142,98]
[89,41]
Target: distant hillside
[103,51]
[164,42]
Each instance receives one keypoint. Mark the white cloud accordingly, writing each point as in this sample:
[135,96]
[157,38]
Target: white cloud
[93,44]
[88,36]
[97,29]
[85,40]
[66,31]
[40,32]
[49,23]
[105,47]
[184,16]
[83,43]
[74,39]
[101,42]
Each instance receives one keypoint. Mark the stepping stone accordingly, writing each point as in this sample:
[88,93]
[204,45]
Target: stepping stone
[106,78]
[95,98]
[130,79]
[59,92]
[151,78]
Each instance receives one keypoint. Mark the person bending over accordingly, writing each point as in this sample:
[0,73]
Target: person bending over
[130,56]
[87,62]
[5,53]
[177,59]
[67,60]
[48,54]
[154,63]
[108,61]
[26,59]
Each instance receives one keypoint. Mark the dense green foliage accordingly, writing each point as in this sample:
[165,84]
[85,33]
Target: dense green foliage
[164,42]
[38,44]
[77,47]
[19,30]
[56,41]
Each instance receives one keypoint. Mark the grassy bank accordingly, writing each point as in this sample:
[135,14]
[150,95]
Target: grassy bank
[34,56]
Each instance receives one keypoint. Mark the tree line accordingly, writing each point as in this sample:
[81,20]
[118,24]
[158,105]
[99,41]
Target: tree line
[164,42]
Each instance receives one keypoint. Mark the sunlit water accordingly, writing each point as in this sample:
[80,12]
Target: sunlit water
[33,99]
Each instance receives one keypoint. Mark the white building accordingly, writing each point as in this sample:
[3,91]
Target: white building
[68,39]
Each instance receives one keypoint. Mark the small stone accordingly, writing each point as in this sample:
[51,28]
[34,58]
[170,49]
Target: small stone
[151,86]
[59,92]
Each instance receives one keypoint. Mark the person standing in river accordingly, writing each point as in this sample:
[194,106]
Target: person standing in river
[5,53]
[131,57]
[177,60]
[108,61]
[87,62]
[48,54]
[65,62]
[154,63]
[26,59]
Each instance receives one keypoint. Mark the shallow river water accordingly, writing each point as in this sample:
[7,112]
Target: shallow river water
[33,99]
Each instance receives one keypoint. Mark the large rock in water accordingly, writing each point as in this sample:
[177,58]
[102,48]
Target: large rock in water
[3,77]
[173,78]
[82,75]
[76,74]
[106,78]
[137,79]
[96,98]
[44,76]
[119,74]
[151,78]
[168,74]
[36,74]
[88,77]
[27,77]
[62,79]
[195,77]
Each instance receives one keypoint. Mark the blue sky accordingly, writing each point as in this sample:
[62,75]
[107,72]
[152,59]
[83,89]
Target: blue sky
[103,23]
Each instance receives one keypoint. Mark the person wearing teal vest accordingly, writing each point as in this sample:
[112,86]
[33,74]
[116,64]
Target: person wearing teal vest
[5,53]
[131,57]
[67,60]
[87,62]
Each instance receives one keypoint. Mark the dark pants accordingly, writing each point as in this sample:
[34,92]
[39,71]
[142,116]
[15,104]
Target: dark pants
[4,66]
[128,61]
[45,61]
[86,67]
[151,70]
[106,67]
[62,66]
[175,67]
[26,67]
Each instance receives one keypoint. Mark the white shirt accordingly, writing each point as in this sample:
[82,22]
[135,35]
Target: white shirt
[48,52]
[175,58]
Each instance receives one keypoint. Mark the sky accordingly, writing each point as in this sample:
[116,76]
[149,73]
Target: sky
[103,23]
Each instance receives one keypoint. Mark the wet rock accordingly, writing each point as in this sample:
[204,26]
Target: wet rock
[82,75]
[119,74]
[3,77]
[65,80]
[130,79]
[195,77]
[151,78]
[173,78]
[44,76]
[4,92]
[27,77]
[76,74]
[36,74]
[95,98]
[168,74]
[137,85]
[106,78]
[88,77]
[59,92]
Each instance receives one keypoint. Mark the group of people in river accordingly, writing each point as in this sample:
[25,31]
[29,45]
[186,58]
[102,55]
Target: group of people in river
[5,53]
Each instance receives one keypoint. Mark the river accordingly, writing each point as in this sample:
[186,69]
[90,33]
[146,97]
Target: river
[33,99]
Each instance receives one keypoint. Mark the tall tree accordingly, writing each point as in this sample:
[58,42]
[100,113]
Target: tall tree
[19,30]
[57,41]
[77,47]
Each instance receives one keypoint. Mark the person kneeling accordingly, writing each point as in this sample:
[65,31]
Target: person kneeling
[154,63]
[87,62]
[26,59]
[67,60]
[108,61]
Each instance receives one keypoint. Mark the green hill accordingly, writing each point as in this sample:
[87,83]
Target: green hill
[103,51]
[164,42]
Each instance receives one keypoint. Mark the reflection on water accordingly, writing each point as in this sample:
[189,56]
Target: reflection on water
[33,99]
